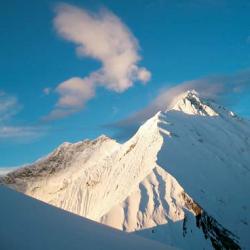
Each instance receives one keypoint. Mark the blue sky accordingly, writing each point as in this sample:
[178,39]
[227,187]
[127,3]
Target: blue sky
[177,41]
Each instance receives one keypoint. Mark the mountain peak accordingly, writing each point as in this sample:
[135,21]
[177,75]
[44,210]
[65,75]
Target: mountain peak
[176,176]
[191,103]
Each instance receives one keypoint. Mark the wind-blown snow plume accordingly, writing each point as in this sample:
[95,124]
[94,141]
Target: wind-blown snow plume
[101,36]
[211,87]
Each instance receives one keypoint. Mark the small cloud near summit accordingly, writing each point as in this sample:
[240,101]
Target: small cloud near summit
[211,87]
[47,91]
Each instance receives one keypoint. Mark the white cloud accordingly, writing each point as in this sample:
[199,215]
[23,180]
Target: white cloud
[101,36]
[144,75]
[75,92]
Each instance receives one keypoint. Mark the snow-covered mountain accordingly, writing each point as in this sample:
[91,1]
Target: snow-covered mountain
[183,179]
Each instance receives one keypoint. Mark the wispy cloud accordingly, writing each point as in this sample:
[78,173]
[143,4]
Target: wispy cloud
[47,91]
[218,88]
[9,107]
[104,37]
[20,132]
[6,170]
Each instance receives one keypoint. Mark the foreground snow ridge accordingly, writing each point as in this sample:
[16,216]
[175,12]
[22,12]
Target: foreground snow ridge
[182,179]
[29,224]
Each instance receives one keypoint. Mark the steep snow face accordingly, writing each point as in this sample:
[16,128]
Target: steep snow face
[29,224]
[157,209]
[210,158]
[181,179]
[207,149]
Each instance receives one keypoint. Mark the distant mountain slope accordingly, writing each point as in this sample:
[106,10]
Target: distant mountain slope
[28,224]
[182,179]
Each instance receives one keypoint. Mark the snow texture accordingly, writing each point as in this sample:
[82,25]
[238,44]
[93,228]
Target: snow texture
[182,179]
[29,224]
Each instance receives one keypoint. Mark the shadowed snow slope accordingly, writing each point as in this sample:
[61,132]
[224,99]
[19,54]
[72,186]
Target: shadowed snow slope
[28,224]
[182,179]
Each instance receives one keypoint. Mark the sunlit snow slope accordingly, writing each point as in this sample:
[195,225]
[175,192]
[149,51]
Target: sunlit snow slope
[182,179]
[28,224]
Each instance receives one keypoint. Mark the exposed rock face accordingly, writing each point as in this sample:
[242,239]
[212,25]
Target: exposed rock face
[182,179]
[220,237]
